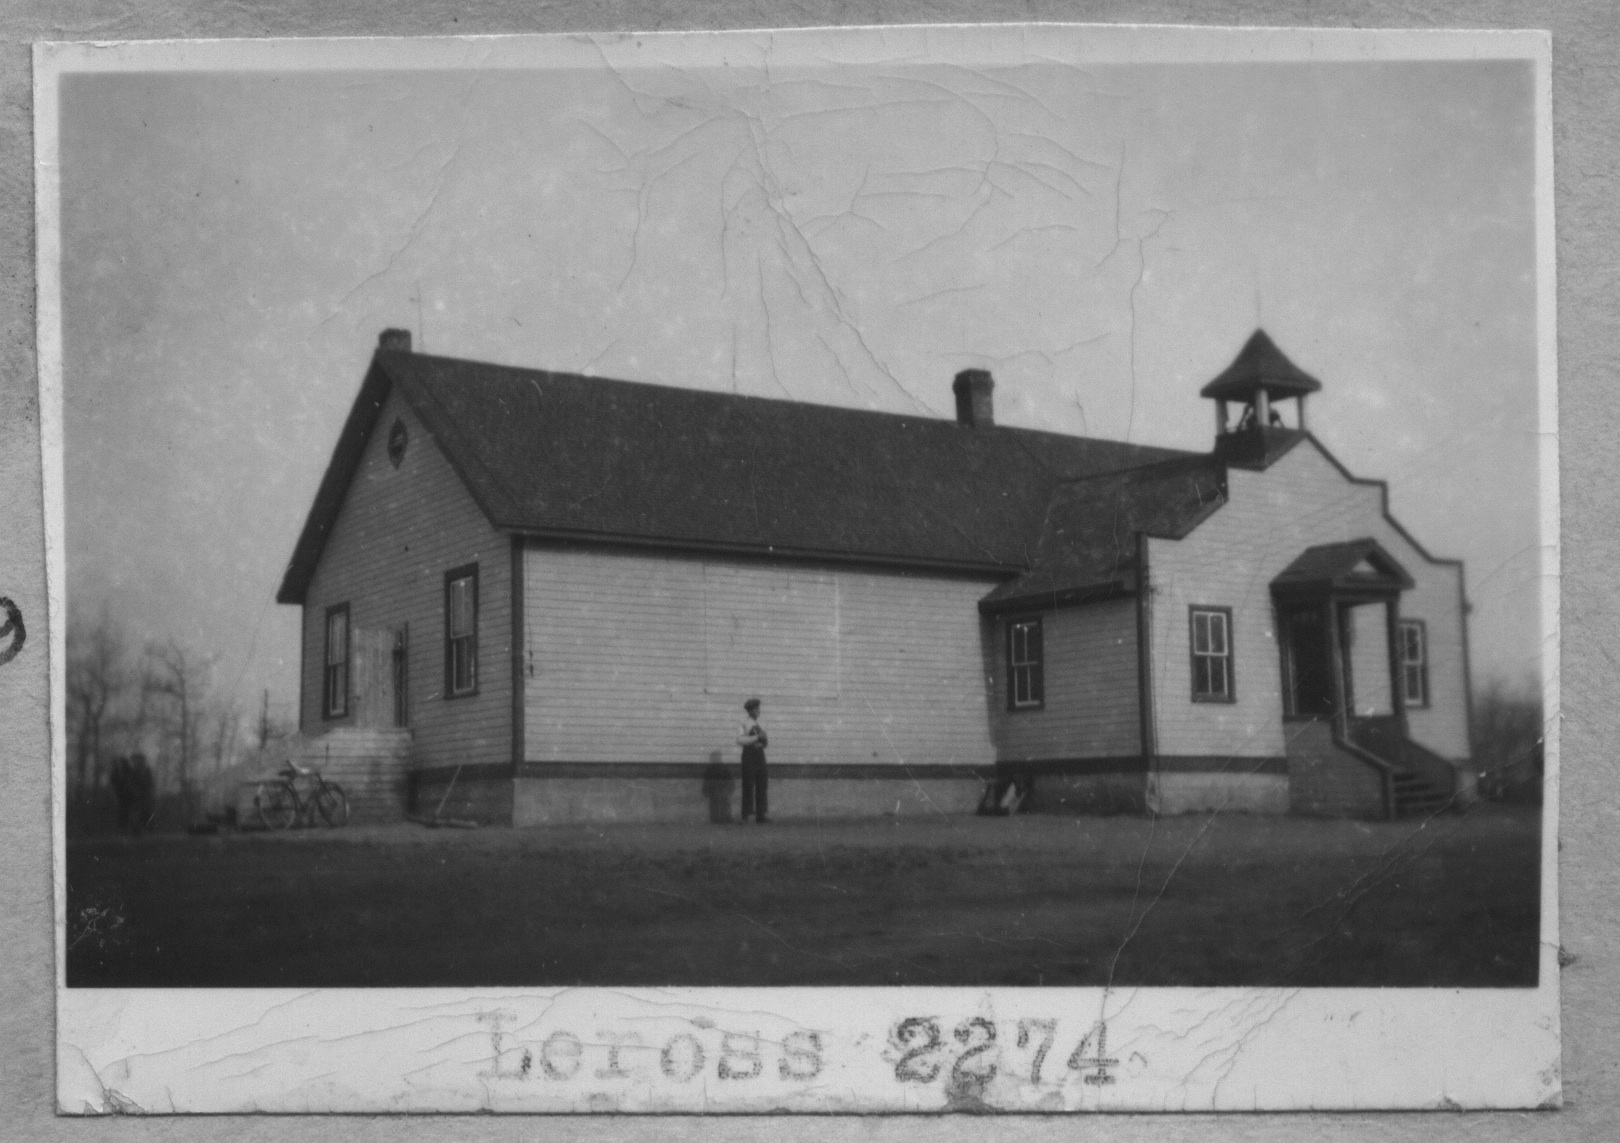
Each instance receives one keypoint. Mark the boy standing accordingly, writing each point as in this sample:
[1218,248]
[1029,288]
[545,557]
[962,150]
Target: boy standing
[752,740]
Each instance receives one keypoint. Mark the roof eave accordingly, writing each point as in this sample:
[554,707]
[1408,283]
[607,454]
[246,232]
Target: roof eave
[1049,598]
[1261,364]
[1277,388]
[696,545]
[1383,493]
[334,486]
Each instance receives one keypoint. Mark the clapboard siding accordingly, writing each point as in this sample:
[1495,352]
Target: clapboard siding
[631,657]
[1230,560]
[398,532]
[1437,600]
[1092,708]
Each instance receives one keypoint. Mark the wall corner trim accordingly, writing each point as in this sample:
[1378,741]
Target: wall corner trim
[519,651]
[1144,652]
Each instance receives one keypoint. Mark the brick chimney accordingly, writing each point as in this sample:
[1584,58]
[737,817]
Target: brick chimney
[398,340]
[974,408]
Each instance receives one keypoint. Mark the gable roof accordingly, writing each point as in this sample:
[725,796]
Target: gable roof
[1087,547]
[561,455]
[1349,566]
[1260,364]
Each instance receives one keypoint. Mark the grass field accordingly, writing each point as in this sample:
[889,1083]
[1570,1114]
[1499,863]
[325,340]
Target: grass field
[1225,899]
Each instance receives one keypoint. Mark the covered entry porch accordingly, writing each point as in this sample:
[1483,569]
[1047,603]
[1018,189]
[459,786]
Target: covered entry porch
[1344,685]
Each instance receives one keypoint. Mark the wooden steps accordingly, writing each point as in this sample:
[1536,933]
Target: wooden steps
[1421,782]
[1331,776]
[1416,795]
[372,766]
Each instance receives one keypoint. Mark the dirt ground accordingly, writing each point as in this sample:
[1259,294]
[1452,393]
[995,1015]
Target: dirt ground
[1226,899]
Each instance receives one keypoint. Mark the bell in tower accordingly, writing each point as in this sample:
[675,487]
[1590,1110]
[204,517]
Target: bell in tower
[1257,382]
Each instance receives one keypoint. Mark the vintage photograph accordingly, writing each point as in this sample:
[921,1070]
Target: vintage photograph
[971,508]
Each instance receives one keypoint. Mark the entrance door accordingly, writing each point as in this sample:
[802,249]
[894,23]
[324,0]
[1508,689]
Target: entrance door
[1308,662]
[373,678]
[402,676]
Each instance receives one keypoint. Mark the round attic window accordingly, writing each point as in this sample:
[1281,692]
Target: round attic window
[396,442]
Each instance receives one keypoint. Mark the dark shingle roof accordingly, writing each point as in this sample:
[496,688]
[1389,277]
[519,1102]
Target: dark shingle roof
[1088,540]
[1260,364]
[564,455]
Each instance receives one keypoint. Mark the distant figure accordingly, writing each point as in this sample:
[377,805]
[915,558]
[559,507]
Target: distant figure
[752,740]
[122,780]
[717,786]
[142,793]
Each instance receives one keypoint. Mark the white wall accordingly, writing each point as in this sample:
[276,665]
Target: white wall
[1091,685]
[1230,560]
[633,657]
[399,530]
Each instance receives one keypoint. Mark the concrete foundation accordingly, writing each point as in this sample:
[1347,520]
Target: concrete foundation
[701,796]
[1087,794]
[1194,793]
[547,801]
[487,801]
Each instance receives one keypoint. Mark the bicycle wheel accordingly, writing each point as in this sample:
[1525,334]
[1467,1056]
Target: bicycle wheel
[277,805]
[332,804]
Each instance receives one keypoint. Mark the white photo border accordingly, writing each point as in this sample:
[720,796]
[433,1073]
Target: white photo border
[464,1050]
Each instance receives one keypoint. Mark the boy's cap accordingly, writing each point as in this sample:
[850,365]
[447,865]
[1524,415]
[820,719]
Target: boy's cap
[751,704]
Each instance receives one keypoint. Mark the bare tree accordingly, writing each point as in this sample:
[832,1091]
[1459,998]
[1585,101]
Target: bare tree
[98,679]
[1508,730]
[267,729]
[180,679]
[225,723]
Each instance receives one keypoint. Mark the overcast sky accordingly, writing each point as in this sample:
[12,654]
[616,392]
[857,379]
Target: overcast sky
[1102,238]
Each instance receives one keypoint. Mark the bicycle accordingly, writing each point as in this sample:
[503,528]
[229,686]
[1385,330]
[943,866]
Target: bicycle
[279,805]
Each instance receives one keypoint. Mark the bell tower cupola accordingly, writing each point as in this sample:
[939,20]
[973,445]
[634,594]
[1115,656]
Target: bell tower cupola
[1257,382]
[1258,379]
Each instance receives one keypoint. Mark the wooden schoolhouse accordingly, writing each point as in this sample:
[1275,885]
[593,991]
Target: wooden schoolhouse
[541,597]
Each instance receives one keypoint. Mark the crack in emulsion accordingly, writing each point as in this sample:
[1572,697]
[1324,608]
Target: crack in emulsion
[788,231]
[1044,162]
[440,178]
[1141,275]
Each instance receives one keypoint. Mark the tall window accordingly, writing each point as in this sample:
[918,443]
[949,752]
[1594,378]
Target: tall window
[1025,686]
[1212,654]
[461,631]
[1412,640]
[335,685]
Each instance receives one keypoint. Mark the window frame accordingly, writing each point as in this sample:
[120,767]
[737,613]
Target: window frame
[1194,610]
[1402,626]
[451,577]
[330,709]
[1035,668]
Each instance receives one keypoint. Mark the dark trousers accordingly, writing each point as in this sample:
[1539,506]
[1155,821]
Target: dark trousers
[753,789]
